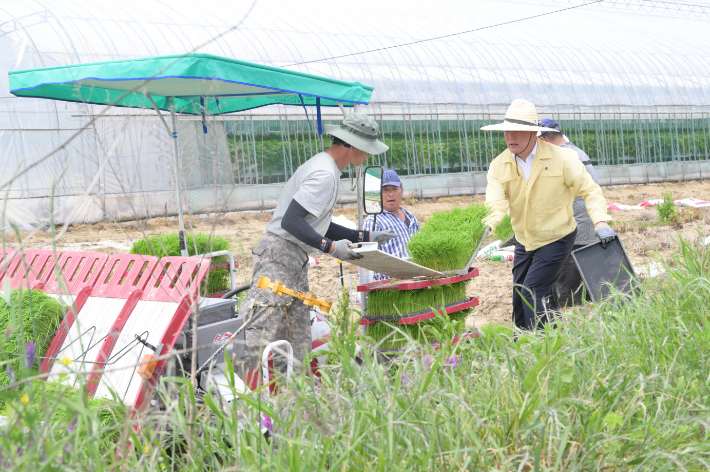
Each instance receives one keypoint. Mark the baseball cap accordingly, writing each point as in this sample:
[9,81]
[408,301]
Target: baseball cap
[548,123]
[390,177]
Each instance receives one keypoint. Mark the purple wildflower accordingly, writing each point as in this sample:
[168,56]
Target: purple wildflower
[405,380]
[347,405]
[266,422]
[305,415]
[30,353]
[427,362]
[10,373]
[19,452]
[452,361]
[7,334]
[72,425]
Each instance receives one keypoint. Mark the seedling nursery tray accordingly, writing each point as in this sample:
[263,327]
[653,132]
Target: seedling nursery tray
[420,315]
[392,284]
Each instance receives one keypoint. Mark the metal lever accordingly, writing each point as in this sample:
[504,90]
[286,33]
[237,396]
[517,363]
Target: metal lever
[145,343]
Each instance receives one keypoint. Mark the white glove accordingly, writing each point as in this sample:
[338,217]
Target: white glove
[343,252]
[381,237]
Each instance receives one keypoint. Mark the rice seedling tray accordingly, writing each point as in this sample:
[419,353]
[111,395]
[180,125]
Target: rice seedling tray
[388,284]
[421,315]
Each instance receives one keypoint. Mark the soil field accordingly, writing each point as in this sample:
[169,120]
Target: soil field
[644,238]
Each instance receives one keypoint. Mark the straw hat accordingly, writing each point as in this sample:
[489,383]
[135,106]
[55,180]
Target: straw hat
[521,116]
[360,131]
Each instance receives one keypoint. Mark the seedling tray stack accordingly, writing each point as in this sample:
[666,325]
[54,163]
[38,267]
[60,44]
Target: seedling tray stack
[447,243]
[412,286]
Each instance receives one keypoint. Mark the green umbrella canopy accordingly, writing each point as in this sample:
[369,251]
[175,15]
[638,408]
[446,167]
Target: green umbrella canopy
[222,85]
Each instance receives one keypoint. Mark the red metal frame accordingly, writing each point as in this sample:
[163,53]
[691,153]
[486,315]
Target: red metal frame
[177,278]
[416,284]
[64,328]
[428,314]
[93,380]
[119,277]
[31,269]
[182,313]
[108,285]
[76,270]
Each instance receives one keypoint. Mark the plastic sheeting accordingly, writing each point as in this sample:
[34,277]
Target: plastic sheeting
[120,167]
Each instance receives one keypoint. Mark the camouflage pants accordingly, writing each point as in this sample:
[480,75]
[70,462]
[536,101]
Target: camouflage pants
[276,317]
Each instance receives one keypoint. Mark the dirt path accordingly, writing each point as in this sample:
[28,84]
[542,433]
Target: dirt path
[643,241]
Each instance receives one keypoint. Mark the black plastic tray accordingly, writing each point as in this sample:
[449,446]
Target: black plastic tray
[602,268]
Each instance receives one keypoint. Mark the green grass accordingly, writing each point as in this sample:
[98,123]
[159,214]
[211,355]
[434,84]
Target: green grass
[667,211]
[169,245]
[613,388]
[26,316]
[449,238]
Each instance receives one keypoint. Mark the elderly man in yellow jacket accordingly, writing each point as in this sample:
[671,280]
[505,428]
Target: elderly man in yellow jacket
[536,183]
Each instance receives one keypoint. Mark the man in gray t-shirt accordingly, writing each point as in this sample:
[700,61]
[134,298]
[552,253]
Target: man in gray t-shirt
[302,223]
[568,290]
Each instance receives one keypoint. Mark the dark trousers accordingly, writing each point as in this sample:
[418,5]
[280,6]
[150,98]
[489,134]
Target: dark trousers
[569,289]
[534,273]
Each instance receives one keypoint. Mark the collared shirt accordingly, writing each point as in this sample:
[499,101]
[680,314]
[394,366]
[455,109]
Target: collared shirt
[404,229]
[526,165]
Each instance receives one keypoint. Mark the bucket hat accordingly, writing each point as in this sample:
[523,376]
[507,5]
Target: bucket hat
[521,116]
[360,131]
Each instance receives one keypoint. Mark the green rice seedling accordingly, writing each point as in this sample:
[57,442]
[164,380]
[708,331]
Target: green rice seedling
[449,238]
[505,229]
[162,245]
[403,302]
[27,319]
[393,335]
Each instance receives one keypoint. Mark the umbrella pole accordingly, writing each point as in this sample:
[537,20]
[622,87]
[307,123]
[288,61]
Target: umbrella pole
[178,180]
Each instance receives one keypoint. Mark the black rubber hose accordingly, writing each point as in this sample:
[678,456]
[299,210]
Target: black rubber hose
[237,290]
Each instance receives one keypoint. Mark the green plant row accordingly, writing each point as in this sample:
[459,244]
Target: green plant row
[162,245]
[404,302]
[448,239]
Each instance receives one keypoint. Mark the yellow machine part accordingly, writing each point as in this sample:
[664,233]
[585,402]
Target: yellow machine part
[279,289]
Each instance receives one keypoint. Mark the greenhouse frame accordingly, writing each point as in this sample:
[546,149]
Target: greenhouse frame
[639,106]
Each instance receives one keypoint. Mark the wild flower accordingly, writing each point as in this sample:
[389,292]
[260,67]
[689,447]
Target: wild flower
[72,425]
[30,353]
[305,415]
[427,362]
[10,373]
[453,362]
[405,380]
[266,422]
[66,361]
[8,333]
[25,399]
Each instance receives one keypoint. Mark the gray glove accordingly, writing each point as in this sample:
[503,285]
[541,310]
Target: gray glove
[605,235]
[343,251]
[381,237]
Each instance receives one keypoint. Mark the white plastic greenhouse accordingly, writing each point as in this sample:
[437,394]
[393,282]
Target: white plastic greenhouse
[629,81]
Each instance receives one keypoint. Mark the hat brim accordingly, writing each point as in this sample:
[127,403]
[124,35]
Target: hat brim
[506,126]
[371,147]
